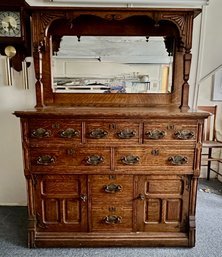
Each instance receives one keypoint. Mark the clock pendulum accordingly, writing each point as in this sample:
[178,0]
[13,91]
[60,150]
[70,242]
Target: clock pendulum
[10,52]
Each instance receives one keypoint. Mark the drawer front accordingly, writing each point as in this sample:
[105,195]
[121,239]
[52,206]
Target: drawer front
[111,217]
[51,130]
[112,133]
[111,188]
[46,159]
[111,159]
[151,157]
[175,132]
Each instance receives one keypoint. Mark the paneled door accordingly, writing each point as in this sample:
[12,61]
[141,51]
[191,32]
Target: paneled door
[61,203]
[162,203]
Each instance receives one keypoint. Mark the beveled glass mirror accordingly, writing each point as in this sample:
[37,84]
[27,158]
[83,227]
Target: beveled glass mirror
[112,64]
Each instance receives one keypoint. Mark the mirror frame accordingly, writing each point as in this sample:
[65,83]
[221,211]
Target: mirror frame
[50,24]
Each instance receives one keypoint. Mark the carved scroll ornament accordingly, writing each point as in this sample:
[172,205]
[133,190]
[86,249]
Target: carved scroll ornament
[43,20]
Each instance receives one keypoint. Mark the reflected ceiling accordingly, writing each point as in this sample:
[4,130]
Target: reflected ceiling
[114,49]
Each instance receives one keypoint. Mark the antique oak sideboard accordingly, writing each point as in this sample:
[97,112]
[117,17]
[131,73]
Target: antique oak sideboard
[111,169]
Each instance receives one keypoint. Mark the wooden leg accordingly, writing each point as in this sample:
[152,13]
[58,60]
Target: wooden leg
[209,163]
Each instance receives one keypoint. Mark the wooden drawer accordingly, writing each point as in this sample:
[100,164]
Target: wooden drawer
[154,157]
[179,132]
[54,130]
[111,159]
[111,188]
[111,217]
[112,132]
[69,159]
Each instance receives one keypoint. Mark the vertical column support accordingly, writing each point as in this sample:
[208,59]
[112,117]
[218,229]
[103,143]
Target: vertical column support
[194,186]
[187,61]
[186,74]
[31,215]
[192,212]
[38,73]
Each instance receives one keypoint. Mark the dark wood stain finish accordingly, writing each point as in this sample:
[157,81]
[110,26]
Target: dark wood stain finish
[111,169]
[111,191]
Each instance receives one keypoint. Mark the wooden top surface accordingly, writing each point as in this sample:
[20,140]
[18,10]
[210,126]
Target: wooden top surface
[111,112]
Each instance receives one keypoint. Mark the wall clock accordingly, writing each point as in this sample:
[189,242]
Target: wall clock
[10,24]
[15,30]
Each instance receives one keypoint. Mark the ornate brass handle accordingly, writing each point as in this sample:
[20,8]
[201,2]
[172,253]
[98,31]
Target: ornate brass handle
[155,134]
[130,160]
[184,134]
[98,133]
[112,219]
[83,198]
[112,188]
[41,133]
[178,160]
[126,133]
[69,133]
[94,160]
[45,160]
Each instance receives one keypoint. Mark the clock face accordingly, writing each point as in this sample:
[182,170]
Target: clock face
[10,24]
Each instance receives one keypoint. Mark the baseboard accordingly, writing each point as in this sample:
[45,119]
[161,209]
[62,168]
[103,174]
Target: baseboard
[13,204]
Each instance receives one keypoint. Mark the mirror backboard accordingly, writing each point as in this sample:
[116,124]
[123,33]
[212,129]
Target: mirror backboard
[173,26]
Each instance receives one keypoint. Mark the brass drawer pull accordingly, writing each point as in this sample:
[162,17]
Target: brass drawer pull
[94,160]
[69,133]
[98,133]
[155,134]
[112,188]
[112,219]
[184,134]
[130,160]
[41,133]
[45,160]
[178,160]
[126,134]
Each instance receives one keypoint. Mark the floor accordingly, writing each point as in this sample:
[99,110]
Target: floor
[13,224]
[210,186]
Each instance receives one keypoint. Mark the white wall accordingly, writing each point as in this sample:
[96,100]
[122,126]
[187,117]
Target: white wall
[12,182]
[211,59]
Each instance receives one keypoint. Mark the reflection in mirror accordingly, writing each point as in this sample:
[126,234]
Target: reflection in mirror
[112,64]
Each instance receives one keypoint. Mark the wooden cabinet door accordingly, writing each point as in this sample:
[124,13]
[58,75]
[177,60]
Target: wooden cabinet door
[61,203]
[161,203]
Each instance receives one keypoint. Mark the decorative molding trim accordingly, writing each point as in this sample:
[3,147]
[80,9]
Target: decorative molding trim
[135,3]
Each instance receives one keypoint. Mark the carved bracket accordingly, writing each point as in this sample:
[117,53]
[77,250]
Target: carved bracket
[43,20]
